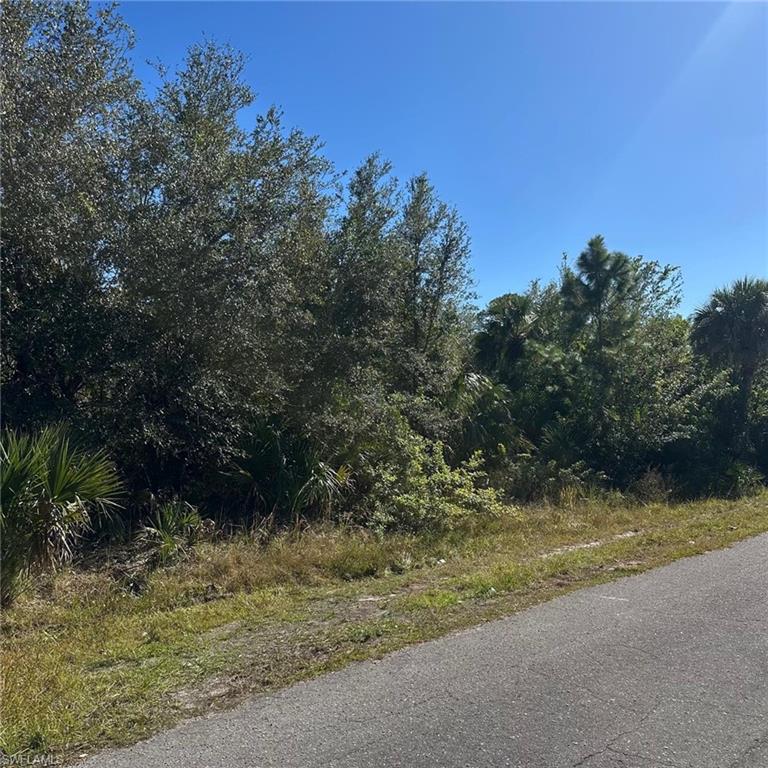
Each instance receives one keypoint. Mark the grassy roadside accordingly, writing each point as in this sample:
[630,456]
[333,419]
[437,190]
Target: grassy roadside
[87,664]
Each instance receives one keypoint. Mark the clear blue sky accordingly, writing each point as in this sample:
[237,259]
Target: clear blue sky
[544,123]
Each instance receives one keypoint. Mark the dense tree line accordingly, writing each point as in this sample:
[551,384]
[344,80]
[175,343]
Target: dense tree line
[238,324]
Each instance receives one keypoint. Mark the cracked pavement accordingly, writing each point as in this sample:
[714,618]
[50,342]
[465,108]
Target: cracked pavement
[670,671]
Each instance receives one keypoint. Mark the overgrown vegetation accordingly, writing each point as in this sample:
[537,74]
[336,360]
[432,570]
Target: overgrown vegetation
[244,389]
[49,491]
[244,331]
[88,663]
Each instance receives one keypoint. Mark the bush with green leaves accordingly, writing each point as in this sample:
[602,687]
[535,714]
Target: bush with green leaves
[282,476]
[758,420]
[171,529]
[49,491]
[409,485]
[532,476]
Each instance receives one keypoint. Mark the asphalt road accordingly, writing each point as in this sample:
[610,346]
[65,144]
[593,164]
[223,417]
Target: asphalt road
[669,668]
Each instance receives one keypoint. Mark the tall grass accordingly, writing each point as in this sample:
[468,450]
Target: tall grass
[89,662]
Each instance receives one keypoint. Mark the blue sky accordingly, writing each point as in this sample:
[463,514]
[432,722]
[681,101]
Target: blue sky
[543,123]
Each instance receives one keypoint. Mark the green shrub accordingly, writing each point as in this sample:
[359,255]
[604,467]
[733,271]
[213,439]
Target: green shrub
[48,490]
[282,476]
[651,488]
[529,476]
[410,485]
[741,479]
[172,529]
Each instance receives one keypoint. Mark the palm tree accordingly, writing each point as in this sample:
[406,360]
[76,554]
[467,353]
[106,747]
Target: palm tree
[731,329]
[504,328]
[48,490]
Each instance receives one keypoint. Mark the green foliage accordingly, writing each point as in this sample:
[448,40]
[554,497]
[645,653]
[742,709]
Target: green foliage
[171,529]
[597,296]
[205,277]
[505,327]
[67,89]
[484,420]
[49,489]
[247,331]
[605,383]
[410,486]
[433,249]
[732,331]
[758,420]
[739,479]
[732,328]
[283,476]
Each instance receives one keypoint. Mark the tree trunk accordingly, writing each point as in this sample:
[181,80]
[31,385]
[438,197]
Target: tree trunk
[743,444]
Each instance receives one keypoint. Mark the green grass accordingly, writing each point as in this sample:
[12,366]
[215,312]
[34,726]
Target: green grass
[86,664]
